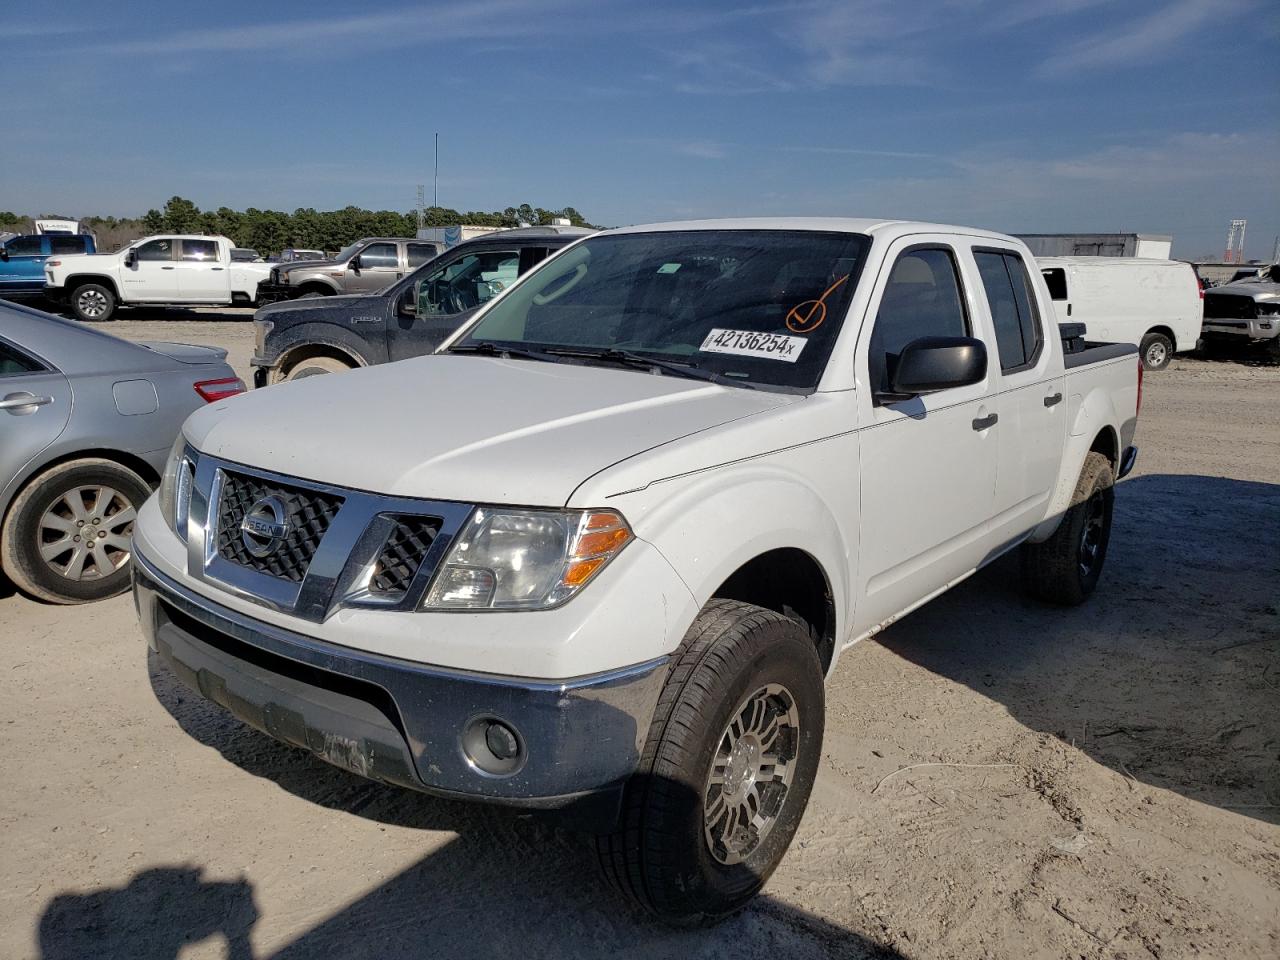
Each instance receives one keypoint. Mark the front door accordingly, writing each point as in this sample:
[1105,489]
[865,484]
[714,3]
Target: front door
[202,277]
[376,267]
[35,402]
[153,277]
[927,465]
[450,291]
[22,271]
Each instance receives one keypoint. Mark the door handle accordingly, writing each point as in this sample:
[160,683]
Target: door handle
[1068,309]
[982,423]
[166,268]
[215,268]
[1053,400]
[15,400]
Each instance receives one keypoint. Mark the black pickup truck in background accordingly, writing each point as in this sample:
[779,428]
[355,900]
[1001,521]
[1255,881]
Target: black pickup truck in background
[305,337]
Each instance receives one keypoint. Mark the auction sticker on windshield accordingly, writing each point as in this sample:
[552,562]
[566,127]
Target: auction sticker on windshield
[749,343]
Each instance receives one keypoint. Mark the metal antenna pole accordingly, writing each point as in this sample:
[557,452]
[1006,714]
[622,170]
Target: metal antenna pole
[435,178]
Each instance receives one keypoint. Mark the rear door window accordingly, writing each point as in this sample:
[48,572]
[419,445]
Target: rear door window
[13,363]
[1056,278]
[921,299]
[199,251]
[1013,310]
[420,253]
[64,246]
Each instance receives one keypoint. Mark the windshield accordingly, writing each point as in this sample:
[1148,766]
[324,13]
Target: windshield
[346,251]
[755,307]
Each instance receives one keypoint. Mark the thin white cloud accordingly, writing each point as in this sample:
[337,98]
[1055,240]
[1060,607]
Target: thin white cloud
[1141,40]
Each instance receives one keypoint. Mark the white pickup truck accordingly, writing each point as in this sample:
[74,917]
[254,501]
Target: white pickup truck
[599,552]
[168,270]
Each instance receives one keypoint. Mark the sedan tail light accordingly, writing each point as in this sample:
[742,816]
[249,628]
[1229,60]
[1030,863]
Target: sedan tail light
[213,390]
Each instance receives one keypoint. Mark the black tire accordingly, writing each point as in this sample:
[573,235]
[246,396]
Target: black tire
[660,856]
[1066,567]
[93,303]
[105,570]
[313,366]
[1156,351]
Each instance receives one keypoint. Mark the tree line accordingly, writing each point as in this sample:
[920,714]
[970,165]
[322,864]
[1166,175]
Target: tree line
[270,231]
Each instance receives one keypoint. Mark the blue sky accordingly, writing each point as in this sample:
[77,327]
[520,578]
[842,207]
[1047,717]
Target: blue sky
[1038,115]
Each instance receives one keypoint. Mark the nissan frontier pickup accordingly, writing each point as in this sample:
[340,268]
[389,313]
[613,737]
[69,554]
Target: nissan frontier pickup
[599,552]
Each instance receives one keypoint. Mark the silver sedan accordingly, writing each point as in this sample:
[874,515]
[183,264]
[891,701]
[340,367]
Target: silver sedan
[86,423]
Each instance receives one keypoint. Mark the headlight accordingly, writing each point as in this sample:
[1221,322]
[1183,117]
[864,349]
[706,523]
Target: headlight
[525,559]
[1269,309]
[175,486]
[260,330]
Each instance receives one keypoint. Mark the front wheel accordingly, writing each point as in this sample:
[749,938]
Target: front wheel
[727,769]
[314,366]
[1156,351]
[1066,567]
[67,536]
[93,302]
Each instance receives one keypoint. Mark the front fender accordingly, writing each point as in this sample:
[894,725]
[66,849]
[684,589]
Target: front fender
[319,333]
[707,525]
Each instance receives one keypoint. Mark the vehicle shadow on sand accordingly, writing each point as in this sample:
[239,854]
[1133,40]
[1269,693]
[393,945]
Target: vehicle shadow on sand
[1170,673]
[507,885]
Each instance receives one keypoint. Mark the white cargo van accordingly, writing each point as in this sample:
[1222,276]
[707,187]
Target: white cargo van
[1156,304]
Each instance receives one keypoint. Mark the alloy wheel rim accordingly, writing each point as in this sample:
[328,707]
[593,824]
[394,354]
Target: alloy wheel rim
[751,772]
[92,303]
[1155,354]
[84,534]
[1091,536]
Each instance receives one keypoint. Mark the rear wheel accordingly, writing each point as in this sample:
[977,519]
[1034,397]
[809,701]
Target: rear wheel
[67,536]
[314,366]
[93,302]
[1066,567]
[727,768]
[1156,350]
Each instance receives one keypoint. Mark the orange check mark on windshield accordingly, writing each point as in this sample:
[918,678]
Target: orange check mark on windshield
[808,316]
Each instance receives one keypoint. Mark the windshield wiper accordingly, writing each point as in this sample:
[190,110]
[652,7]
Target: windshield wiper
[487,349]
[626,358]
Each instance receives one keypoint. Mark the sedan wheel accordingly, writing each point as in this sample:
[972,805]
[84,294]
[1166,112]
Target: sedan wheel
[84,534]
[67,537]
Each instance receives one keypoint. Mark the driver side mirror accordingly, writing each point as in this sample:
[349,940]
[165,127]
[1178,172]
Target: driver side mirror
[130,257]
[4,254]
[354,263]
[931,364]
[409,301]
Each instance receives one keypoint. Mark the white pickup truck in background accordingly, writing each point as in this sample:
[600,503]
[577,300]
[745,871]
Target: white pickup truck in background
[168,270]
[631,516]
[1157,305]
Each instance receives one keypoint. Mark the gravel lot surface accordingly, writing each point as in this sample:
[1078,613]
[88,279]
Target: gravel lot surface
[1000,779]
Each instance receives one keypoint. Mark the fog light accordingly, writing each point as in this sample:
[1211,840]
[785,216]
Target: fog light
[493,747]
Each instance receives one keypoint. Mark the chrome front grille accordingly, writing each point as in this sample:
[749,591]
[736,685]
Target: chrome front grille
[308,548]
[308,515]
[402,555]
[1227,306]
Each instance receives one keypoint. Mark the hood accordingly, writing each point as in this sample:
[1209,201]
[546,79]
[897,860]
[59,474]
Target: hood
[307,265]
[314,304]
[1255,289]
[466,428]
[184,352]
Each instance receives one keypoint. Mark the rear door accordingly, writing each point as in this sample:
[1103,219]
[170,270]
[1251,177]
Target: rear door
[202,274]
[35,403]
[451,289]
[153,277]
[928,465]
[23,268]
[377,267]
[1032,403]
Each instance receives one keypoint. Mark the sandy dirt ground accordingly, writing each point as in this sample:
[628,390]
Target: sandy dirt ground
[1000,779]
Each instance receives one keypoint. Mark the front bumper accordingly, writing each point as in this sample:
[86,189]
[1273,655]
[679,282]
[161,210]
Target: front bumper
[407,723]
[1258,328]
[275,292]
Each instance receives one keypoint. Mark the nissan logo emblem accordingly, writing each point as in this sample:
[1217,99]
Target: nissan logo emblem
[265,526]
